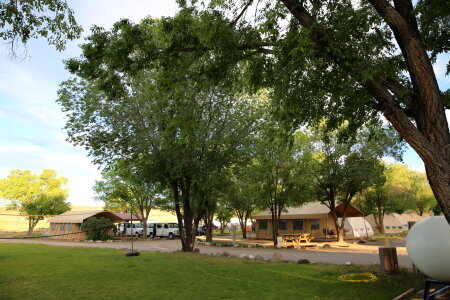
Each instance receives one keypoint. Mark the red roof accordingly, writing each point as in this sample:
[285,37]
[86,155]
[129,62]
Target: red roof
[127,216]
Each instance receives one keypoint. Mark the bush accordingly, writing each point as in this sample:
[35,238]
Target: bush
[97,228]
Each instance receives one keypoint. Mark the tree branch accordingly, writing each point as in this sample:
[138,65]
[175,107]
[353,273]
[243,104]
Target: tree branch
[233,23]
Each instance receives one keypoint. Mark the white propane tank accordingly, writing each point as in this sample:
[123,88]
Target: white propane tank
[428,245]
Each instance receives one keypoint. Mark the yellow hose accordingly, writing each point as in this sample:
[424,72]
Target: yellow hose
[348,277]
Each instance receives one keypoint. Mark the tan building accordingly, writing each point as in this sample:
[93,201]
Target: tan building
[396,223]
[67,226]
[313,218]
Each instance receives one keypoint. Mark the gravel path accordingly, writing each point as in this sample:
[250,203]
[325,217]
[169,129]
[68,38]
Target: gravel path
[333,256]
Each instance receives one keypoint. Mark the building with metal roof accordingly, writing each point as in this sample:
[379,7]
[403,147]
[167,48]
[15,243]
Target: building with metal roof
[68,225]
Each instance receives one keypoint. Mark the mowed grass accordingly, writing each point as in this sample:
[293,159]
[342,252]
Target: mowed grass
[30,271]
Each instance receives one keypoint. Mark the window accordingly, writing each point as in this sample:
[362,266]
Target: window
[166,226]
[69,227]
[315,224]
[173,225]
[158,226]
[298,224]
[282,224]
[62,227]
[53,227]
[263,224]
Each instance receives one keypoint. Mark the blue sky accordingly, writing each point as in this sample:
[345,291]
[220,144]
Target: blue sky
[31,134]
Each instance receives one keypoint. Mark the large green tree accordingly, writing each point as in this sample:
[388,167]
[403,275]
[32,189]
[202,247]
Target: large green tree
[35,196]
[344,60]
[182,132]
[23,20]
[353,60]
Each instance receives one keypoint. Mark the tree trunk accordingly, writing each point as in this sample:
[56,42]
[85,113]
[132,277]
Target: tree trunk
[379,221]
[32,222]
[339,230]
[340,234]
[222,228]
[274,226]
[186,222]
[209,225]
[30,227]
[242,223]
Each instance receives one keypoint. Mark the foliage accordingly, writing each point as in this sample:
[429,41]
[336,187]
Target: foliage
[30,270]
[21,21]
[223,215]
[396,190]
[126,188]
[423,199]
[182,133]
[345,61]
[97,228]
[279,172]
[342,168]
[35,195]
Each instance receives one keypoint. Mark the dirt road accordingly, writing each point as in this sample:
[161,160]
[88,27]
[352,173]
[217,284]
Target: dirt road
[332,256]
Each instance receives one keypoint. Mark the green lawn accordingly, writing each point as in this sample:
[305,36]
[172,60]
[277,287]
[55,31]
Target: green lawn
[46,272]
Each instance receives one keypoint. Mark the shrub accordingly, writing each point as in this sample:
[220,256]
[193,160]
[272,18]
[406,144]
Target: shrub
[97,228]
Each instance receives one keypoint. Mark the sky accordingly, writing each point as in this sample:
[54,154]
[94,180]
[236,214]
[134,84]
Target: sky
[31,123]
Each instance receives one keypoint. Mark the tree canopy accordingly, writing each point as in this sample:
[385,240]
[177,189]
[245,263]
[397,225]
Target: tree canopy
[180,132]
[35,195]
[343,60]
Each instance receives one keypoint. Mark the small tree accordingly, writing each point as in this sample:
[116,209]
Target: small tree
[97,228]
[280,170]
[35,195]
[223,215]
[423,198]
[125,187]
[241,194]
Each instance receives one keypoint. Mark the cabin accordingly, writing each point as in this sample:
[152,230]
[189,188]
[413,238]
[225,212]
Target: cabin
[67,226]
[313,218]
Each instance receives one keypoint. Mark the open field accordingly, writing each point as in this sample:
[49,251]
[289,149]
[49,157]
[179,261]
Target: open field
[12,225]
[46,272]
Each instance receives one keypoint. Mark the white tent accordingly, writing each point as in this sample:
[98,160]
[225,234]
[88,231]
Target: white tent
[357,227]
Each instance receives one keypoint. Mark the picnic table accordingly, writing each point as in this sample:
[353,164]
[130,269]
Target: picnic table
[296,238]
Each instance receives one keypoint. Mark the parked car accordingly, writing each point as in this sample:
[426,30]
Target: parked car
[127,228]
[201,230]
[163,229]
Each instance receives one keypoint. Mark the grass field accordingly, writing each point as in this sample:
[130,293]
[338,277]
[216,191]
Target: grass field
[46,272]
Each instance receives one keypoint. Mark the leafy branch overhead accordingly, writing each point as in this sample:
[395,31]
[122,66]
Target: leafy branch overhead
[23,20]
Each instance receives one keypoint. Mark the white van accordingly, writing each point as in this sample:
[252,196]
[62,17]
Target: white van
[163,229]
[127,228]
